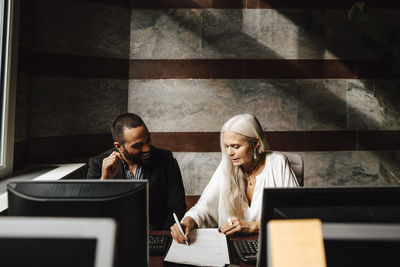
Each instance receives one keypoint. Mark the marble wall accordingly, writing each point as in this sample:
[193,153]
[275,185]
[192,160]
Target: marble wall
[331,168]
[61,105]
[184,105]
[247,33]
[279,104]
[65,104]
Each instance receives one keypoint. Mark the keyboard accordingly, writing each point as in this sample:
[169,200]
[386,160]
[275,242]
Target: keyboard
[246,250]
[158,244]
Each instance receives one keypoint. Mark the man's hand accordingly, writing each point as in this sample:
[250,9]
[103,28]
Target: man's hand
[239,226]
[188,225]
[110,166]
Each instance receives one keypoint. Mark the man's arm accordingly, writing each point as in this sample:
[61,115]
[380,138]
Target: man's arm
[175,194]
[94,170]
[104,168]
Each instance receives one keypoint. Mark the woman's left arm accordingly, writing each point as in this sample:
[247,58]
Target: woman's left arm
[240,226]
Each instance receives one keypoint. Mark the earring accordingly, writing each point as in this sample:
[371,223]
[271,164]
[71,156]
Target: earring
[255,155]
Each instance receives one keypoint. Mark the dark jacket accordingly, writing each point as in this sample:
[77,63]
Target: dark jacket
[166,191]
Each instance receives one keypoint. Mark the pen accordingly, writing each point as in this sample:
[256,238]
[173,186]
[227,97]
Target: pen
[179,226]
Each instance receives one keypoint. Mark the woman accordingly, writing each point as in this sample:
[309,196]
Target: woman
[232,198]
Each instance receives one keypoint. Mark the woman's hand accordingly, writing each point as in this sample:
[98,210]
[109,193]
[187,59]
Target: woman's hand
[187,225]
[239,226]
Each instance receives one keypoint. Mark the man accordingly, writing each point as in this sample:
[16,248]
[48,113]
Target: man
[133,157]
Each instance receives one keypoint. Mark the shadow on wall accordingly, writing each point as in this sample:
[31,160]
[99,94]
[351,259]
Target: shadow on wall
[338,41]
[323,108]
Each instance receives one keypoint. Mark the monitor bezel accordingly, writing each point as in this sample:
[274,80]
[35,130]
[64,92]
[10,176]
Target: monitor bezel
[103,230]
[144,186]
[319,197]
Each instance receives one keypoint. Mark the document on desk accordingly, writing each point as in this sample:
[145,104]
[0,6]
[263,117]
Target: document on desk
[207,247]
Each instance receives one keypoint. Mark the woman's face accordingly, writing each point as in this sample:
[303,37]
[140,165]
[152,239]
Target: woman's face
[238,148]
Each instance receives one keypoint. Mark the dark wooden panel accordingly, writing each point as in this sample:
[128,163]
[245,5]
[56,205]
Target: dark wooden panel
[154,4]
[191,200]
[186,69]
[259,69]
[187,141]
[123,3]
[259,4]
[301,69]
[379,140]
[42,64]
[113,68]
[318,4]
[312,141]
[53,149]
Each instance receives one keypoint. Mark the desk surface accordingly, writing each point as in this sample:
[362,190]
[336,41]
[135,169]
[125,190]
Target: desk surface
[158,261]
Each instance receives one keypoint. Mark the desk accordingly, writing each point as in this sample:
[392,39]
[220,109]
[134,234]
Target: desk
[158,261]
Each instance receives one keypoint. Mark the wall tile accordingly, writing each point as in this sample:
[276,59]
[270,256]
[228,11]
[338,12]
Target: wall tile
[286,34]
[82,28]
[67,106]
[224,36]
[387,93]
[344,39]
[389,168]
[204,105]
[197,169]
[321,105]
[352,168]
[247,33]
[364,111]
[373,105]
[160,34]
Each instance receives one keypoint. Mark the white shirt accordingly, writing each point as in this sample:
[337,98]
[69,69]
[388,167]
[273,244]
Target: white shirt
[208,212]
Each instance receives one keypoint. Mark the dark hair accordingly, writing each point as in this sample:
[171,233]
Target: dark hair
[122,121]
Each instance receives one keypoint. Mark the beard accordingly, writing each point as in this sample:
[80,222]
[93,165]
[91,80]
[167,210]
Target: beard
[136,159]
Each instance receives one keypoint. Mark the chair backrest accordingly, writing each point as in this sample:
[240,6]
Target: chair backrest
[297,164]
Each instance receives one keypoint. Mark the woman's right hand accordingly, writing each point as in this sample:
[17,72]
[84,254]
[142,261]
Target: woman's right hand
[188,224]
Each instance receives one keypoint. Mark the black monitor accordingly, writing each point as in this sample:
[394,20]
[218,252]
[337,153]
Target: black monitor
[357,245]
[61,242]
[330,204]
[126,201]
[365,245]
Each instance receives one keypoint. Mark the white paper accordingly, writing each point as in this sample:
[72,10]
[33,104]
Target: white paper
[207,247]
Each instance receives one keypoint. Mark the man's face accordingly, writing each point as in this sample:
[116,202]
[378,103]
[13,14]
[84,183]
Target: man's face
[136,148]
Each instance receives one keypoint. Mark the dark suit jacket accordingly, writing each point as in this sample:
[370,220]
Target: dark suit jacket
[166,191]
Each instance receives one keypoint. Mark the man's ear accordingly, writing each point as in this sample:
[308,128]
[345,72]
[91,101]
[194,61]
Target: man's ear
[119,147]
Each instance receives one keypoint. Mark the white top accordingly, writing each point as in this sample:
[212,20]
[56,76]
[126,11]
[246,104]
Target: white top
[208,212]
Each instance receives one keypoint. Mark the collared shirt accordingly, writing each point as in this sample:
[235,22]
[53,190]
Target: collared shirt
[139,173]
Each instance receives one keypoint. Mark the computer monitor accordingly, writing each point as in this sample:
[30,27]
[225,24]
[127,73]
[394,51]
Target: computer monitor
[366,245]
[61,242]
[126,201]
[354,244]
[330,204]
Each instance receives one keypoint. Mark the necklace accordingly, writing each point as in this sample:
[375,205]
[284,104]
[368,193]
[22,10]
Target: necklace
[249,182]
[248,177]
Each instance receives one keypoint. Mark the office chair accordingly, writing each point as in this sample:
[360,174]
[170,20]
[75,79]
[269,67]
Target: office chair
[297,164]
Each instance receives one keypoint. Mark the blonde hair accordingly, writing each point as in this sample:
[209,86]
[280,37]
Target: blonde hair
[233,185]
